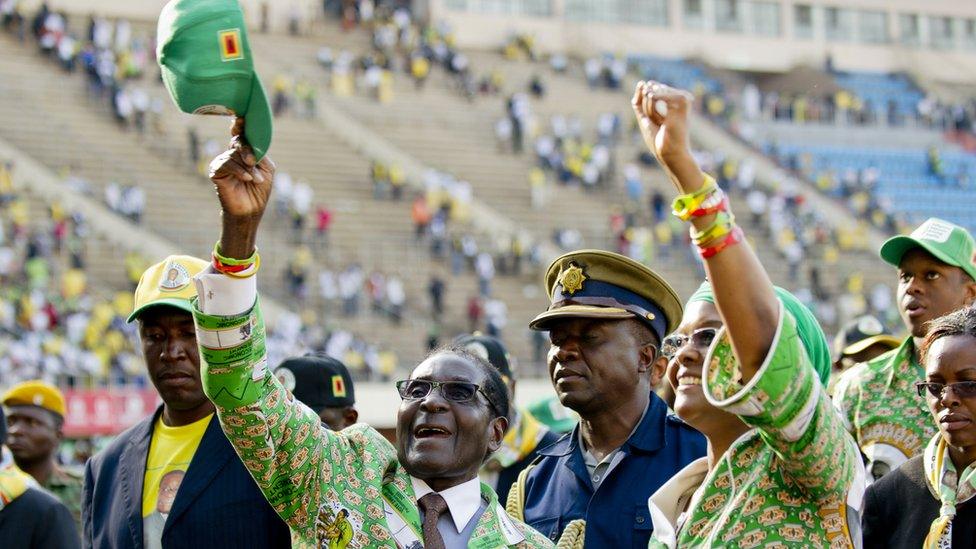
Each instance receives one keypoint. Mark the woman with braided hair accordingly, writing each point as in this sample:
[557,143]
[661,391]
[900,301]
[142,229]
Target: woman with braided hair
[749,367]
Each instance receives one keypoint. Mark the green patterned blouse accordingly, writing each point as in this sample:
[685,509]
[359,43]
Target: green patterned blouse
[794,480]
[334,490]
[890,422]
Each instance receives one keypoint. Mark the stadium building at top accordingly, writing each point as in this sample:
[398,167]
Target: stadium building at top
[930,39]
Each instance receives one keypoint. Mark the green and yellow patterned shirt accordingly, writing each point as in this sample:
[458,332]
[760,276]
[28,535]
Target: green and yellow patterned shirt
[888,419]
[310,474]
[794,480]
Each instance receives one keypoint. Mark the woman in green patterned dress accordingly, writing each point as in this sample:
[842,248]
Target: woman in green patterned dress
[749,367]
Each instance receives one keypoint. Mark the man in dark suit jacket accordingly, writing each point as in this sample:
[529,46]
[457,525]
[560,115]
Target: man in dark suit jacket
[128,499]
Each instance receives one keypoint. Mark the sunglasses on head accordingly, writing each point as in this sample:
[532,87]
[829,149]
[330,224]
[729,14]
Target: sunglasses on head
[456,391]
[701,338]
[962,389]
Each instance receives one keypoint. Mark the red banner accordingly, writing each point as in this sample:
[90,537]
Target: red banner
[106,411]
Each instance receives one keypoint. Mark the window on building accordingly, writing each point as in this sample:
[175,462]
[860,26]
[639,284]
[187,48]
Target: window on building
[637,12]
[691,14]
[968,33]
[908,29]
[839,24]
[507,7]
[728,15]
[766,18]
[873,27]
[940,33]
[802,21]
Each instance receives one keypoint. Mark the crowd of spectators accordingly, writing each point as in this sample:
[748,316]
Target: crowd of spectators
[53,325]
[114,58]
[841,107]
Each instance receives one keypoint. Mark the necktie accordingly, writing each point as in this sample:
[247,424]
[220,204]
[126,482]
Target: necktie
[433,506]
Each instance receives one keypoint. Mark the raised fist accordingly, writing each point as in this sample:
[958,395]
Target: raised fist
[662,115]
[242,183]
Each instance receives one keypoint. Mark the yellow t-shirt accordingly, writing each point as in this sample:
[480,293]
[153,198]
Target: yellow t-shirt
[170,452]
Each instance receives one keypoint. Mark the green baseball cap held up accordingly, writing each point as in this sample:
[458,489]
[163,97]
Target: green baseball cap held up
[948,242]
[207,66]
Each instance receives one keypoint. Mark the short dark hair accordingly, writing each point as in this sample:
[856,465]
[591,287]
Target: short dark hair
[961,322]
[645,335]
[494,387]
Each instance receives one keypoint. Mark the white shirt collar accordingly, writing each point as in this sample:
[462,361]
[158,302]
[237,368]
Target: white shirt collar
[463,500]
[668,502]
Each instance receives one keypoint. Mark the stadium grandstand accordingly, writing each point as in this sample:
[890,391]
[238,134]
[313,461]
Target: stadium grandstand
[434,156]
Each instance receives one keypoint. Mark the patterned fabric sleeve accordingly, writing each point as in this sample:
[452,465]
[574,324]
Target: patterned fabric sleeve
[299,465]
[787,404]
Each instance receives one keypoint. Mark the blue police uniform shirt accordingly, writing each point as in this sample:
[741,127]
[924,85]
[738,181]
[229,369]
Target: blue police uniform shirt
[559,489]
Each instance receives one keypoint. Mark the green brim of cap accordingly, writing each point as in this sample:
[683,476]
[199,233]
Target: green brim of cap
[889,341]
[181,304]
[542,321]
[258,123]
[896,247]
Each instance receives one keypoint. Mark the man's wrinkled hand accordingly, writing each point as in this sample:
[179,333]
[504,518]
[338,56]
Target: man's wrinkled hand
[242,183]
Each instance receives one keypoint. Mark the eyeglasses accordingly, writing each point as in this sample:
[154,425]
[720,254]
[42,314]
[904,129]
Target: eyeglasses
[455,391]
[962,389]
[701,338]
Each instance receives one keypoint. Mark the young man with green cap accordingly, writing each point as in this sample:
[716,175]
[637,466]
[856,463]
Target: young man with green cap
[936,276]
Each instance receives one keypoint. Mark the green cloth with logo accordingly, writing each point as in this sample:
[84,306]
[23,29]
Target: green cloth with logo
[310,474]
[890,422]
[206,63]
[794,480]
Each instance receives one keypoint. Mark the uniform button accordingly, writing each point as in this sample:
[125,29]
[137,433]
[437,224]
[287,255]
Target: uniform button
[640,520]
[596,478]
[552,536]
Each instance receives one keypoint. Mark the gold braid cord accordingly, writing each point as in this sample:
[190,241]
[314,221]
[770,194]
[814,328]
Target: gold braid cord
[573,535]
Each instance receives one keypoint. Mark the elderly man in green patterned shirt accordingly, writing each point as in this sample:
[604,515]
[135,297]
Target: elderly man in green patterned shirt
[351,488]
[936,276]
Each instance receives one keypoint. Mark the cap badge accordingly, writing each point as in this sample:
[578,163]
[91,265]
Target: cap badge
[572,279]
[230,45]
[338,387]
[175,277]
[935,230]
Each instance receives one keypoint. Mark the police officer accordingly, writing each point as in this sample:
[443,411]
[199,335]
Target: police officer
[323,384]
[607,318]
